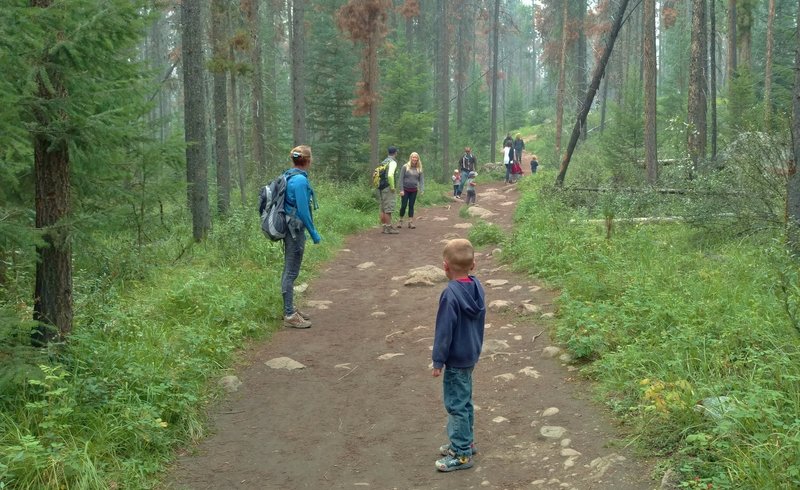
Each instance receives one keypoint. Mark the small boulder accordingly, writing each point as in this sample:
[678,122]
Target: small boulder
[230,384]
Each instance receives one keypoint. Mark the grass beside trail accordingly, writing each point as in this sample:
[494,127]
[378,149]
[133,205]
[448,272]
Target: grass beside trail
[692,337]
[156,325]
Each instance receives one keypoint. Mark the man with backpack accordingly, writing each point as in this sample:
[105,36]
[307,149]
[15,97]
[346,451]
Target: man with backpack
[386,190]
[466,164]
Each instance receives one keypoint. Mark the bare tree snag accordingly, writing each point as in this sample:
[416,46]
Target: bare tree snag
[599,71]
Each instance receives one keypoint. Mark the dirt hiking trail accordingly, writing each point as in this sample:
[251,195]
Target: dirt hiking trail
[364,410]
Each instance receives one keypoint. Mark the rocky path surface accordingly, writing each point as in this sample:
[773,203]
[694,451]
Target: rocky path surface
[351,403]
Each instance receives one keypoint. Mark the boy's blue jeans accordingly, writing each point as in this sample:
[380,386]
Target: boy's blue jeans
[457,386]
[293,249]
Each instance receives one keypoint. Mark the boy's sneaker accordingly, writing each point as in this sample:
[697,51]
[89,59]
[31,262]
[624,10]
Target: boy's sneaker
[446,451]
[452,463]
[295,321]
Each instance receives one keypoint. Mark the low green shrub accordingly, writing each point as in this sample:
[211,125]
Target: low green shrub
[155,323]
[690,334]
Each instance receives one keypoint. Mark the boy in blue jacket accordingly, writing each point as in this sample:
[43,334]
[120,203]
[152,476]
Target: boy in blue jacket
[456,348]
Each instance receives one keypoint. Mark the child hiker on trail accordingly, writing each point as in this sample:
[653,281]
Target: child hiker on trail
[471,187]
[456,178]
[456,348]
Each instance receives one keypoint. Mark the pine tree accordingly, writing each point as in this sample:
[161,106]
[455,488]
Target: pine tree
[76,90]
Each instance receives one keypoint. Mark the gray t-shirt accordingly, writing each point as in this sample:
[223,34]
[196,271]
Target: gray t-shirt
[411,178]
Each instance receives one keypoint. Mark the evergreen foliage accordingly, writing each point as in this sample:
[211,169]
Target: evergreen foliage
[340,146]
[407,110]
[515,106]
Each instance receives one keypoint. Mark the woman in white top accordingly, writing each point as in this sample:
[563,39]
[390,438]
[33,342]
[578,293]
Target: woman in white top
[507,161]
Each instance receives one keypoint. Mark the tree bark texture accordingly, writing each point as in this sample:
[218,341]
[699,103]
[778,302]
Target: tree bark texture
[298,72]
[257,98]
[235,116]
[793,182]
[194,105]
[712,52]
[495,67]
[52,303]
[696,136]
[562,69]
[444,90]
[581,68]
[461,61]
[650,91]
[744,33]
[732,61]
[599,71]
[768,67]
[219,30]
[534,54]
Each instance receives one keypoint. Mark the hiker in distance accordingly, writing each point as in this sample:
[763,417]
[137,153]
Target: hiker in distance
[508,159]
[299,203]
[466,164]
[410,182]
[519,145]
[457,343]
[386,196]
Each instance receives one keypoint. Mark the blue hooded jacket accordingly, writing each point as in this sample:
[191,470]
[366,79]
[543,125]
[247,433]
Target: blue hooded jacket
[299,191]
[460,322]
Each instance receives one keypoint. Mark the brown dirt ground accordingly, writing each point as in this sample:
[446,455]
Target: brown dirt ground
[350,420]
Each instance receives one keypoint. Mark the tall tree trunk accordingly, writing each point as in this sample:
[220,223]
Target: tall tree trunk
[444,89]
[219,68]
[52,299]
[534,55]
[793,183]
[599,71]
[696,131]
[194,105]
[366,22]
[298,71]
[372,62]
[235,116]
[562,69]
[604,104]
[712,50]
[272,78]
[580,61]
[461,63]
[768,68]
[650,142]
[732,61]
[744,33]
[257,98]
[495,68]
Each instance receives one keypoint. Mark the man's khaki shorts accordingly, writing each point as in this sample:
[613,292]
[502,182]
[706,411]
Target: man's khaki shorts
[387,199]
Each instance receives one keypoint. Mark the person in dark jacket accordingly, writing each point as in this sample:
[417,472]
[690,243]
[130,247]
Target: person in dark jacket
[298,206]
[519,145]
[457,344]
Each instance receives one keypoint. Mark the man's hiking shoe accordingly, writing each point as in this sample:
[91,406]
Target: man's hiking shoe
[446,451]
[452,463]
[302,314]
[390,231]
[295,321]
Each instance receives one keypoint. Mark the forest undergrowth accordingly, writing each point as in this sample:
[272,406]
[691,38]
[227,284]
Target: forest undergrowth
[155,326]
[689,327]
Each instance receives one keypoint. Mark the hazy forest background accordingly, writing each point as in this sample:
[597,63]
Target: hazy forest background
[134,136]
